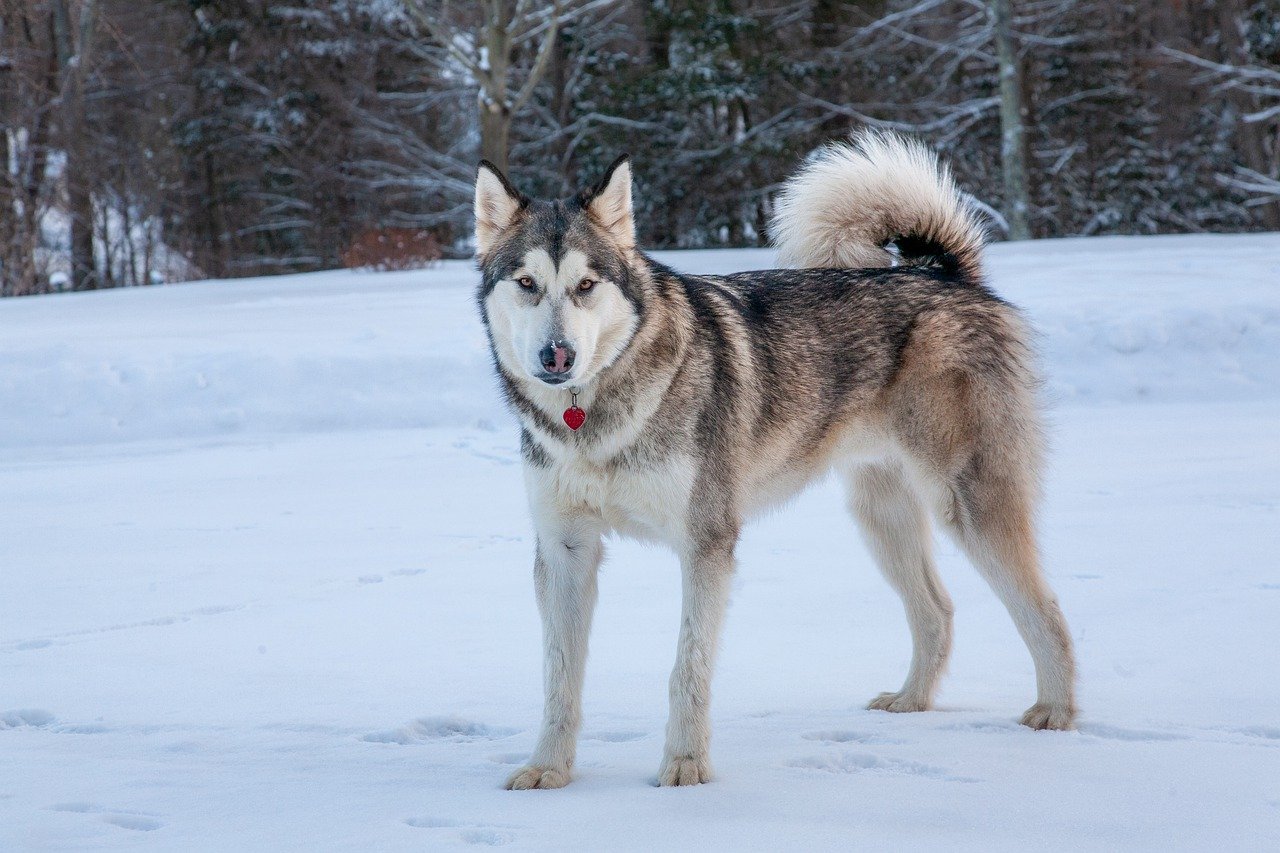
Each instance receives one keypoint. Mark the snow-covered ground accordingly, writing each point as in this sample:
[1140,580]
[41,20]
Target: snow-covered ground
[265,584]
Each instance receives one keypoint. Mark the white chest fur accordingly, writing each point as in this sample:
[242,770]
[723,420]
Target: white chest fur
[649,503]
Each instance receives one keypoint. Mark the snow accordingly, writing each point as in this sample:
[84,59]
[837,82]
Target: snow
[267,585]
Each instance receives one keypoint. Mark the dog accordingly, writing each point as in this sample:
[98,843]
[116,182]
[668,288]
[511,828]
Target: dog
[674,408]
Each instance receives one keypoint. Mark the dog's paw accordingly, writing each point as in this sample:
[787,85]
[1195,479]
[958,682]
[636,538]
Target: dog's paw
[684,770]
[898,703]
[1058,717]
[530,777]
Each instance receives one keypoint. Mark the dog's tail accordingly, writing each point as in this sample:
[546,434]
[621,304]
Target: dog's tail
[852,200]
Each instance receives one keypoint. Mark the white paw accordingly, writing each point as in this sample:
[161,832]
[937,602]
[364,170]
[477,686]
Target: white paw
[530,777]
[684,770]
[898,703]
[1057,717]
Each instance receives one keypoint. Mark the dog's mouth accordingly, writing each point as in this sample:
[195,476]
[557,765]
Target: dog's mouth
[552,378]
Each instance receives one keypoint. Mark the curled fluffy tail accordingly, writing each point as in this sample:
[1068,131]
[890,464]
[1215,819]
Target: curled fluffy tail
[851,200]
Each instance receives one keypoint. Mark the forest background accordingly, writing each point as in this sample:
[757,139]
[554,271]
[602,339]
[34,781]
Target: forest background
[161,140]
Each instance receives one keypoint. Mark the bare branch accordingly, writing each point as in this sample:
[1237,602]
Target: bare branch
[444,36]
[540,63]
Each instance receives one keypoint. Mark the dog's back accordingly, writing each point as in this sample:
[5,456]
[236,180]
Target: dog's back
[883,328]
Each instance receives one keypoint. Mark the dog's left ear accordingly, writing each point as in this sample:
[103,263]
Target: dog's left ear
[610,203]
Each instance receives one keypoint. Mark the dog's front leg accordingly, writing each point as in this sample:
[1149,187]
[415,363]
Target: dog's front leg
[707,573]
[564,573]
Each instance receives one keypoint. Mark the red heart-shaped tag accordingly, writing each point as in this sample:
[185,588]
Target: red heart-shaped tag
[574,417]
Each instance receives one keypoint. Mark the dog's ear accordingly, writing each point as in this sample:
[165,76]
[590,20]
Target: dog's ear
[610,203]
[497,205]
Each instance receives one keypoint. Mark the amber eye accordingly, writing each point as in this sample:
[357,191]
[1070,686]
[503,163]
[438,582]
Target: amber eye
[585,285]
[525,282]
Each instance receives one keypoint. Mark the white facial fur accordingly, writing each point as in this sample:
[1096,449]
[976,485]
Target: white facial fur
[597,325]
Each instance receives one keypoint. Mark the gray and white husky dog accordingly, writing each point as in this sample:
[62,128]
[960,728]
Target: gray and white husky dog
[676,407]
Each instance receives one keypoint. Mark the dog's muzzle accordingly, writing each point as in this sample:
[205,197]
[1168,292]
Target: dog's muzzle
[556,359]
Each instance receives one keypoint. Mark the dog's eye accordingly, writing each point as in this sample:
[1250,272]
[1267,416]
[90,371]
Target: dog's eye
[525,282]
[585,285]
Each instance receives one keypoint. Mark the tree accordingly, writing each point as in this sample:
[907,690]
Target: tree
[487,50]
[1013,141]
[73,37]
[28,85]
[1245,76]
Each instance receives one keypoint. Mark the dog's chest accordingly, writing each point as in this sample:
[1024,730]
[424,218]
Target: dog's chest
[648,501]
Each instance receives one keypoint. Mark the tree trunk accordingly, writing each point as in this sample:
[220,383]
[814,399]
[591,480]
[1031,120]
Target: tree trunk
[1013,140]
[213,256]
[825,23]
[73,58]
[24,98]
[657,30]
[8,185]
[84,275]
[495,105]
[495,131]
[562,106]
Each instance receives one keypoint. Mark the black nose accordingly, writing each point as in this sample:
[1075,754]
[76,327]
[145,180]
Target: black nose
[557,357]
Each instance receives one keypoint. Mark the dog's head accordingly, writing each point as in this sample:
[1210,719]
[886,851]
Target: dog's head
[560,292]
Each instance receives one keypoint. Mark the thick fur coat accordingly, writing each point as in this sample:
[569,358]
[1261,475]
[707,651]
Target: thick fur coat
[880,353]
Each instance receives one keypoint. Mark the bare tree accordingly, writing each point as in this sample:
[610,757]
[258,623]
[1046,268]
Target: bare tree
[28,83]
[1013,140]
[73,37]
[1252,88]
[487,49]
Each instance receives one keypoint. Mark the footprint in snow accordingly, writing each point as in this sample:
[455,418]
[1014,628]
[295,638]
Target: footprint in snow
[138,823]
[1263,732]
[471,833]
[866,762]
[82,633]
[500,458]
[1109,732]
[987,727]
[79,728]
[135,821]
[850,737]
[395,573]
[35,718]
[439,728]
[490,837]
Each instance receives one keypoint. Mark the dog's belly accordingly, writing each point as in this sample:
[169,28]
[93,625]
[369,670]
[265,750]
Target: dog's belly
[777,474]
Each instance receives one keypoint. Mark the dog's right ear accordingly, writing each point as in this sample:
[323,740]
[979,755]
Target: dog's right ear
[497,205]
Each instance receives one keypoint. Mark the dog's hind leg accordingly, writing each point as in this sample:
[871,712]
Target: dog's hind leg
[964,410]
[991,518]
[896,527]
[565,571]
[985,500]
[707,575]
